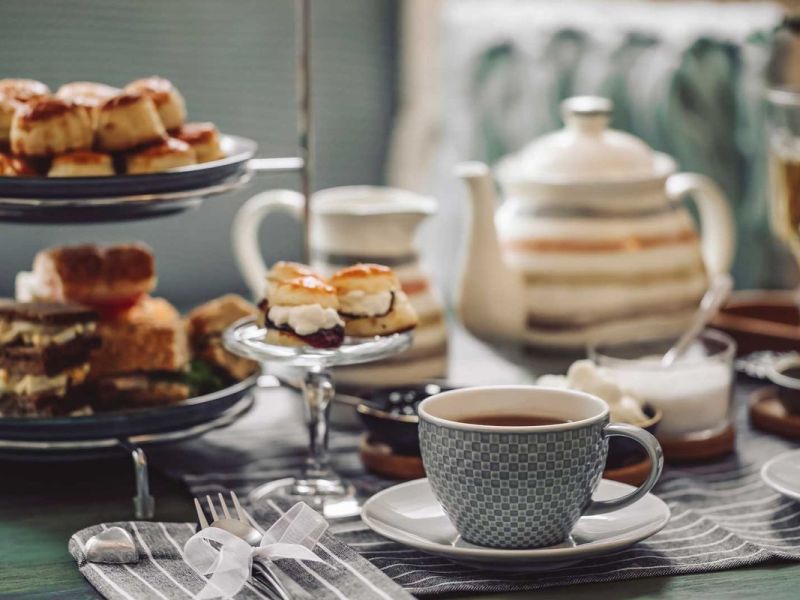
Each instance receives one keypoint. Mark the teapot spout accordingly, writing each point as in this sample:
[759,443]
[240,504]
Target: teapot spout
[491,298]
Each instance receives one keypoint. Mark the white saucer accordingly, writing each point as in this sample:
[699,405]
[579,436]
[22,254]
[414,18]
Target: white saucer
[409,514]
[782,474]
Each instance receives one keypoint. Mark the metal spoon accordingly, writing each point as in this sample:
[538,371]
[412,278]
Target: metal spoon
[713,299]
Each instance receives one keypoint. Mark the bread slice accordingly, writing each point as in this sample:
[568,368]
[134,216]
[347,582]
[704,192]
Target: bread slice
[136,390]
[149,337]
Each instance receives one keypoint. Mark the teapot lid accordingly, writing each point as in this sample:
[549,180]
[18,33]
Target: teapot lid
[585,149]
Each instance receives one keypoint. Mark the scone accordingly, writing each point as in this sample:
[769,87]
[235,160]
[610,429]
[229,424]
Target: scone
[126,121]
[371,301]
[15,166]
[166,97]
[82,163]
[24,90]
[303,312]
[204,138]
[88,94]
[50,126]
[284,271]
[170,153]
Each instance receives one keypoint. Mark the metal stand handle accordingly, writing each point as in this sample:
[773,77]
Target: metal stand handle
[144,505]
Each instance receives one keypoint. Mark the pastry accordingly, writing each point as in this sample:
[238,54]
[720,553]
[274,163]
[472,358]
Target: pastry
[170,153]
[81,163]
[166,97]
[126,121]
[15,166]
[371,301]
[24,90]
[87,94]
[205,326]
[50,126]
[110,279]
[147,339]
[8,106]
[44,351]
[303,312]
[204,138]
[284,271]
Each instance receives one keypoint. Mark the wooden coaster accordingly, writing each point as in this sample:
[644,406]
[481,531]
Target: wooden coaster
[677,450]
[767,413]
[634,474]
[379,459]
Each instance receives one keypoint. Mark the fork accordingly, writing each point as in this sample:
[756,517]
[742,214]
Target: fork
[240,527]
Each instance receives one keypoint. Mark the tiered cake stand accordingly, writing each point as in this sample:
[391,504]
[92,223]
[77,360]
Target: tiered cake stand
[123,198]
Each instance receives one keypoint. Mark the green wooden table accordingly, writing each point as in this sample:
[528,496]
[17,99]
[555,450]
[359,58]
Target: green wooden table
[41,505]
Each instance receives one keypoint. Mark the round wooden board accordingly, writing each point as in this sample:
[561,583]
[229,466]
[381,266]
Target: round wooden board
[699,450]
[767,413]
[634,474]
[379,459]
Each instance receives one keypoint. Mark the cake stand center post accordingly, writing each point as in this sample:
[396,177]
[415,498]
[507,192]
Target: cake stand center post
[144,505]
[318,393]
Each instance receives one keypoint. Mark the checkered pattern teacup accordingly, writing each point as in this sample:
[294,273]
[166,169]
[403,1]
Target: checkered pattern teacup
[521,487]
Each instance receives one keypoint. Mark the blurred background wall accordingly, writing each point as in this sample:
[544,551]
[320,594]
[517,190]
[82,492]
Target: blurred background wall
[233,61]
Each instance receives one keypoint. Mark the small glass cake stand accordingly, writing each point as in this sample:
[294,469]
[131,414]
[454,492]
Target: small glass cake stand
[318,484]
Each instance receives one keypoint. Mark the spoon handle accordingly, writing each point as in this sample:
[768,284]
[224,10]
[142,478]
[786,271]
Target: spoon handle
[713,299]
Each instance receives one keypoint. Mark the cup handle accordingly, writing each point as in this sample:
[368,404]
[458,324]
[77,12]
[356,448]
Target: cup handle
[244,232]
[653,449]
[716,221]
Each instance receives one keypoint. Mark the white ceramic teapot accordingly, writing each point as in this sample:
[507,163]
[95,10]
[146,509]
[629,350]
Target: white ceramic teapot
[354,224]
[591,241]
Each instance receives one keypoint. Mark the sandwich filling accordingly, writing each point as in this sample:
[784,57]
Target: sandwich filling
[36,334]
[358,303]
[17,384]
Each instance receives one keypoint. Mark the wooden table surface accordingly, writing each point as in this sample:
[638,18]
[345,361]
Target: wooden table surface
[42,504]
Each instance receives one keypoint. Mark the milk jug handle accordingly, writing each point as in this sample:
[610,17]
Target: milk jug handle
[716,221]
[244,232]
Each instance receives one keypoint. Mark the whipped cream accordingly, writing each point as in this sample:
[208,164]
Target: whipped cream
[305,319]
[29,288]
[585,376]
[360,303]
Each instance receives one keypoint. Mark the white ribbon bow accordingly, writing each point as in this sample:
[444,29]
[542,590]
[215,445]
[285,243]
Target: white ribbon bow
[229,561]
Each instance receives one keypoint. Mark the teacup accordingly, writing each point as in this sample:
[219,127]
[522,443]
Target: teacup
[522,487]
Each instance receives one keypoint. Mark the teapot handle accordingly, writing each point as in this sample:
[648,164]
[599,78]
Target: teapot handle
[244,232]
[716,221]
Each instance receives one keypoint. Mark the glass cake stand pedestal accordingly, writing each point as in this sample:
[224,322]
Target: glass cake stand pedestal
[318,484]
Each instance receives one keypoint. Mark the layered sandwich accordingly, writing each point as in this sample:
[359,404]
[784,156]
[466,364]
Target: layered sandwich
[372,302]
[205,326]
[44,355]
[144,345]
[303,312]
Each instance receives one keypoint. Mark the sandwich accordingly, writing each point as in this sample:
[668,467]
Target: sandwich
[205,326]
[143,358]
[303,312]
[44,355]
[371,301]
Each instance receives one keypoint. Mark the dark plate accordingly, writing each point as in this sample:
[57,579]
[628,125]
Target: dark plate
[238,151]
[193,411]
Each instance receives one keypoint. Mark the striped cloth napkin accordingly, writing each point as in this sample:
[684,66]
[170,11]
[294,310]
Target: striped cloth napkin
[162,572]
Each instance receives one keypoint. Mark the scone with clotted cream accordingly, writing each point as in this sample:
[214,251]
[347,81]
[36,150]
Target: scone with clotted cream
[284,271]
[372,302]
[303,312]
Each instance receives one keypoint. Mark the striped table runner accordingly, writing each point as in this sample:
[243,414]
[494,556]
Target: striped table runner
[723,516]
